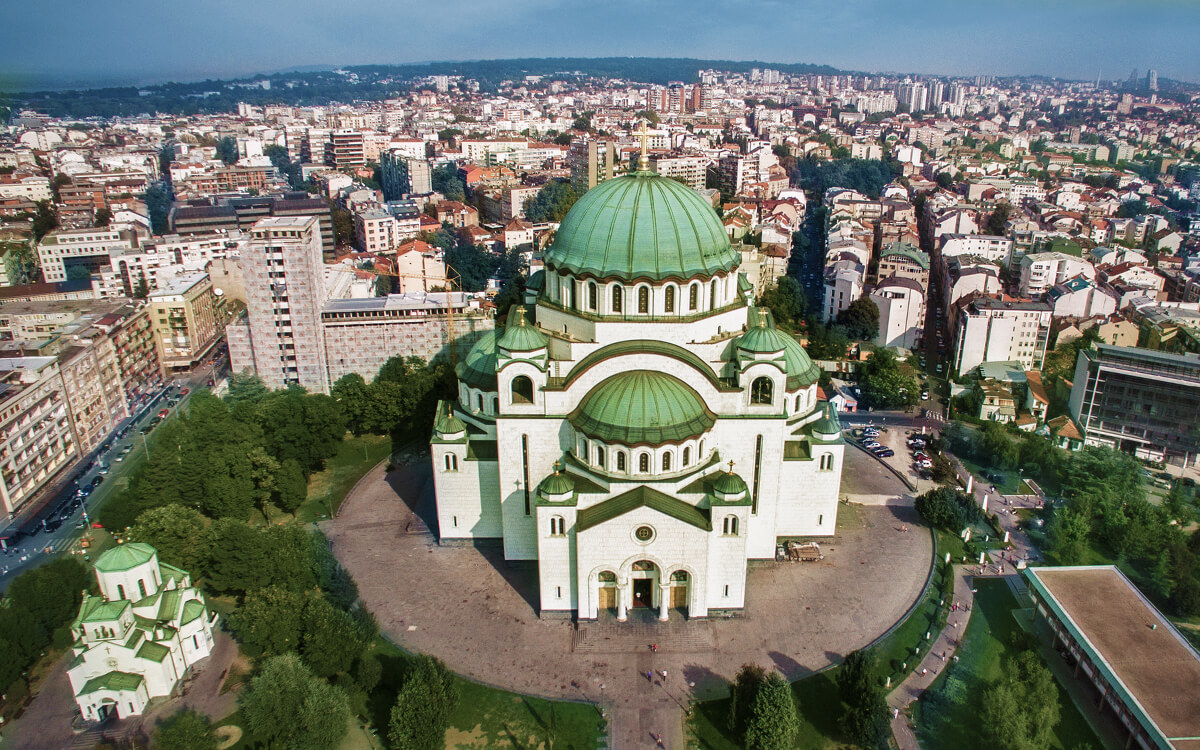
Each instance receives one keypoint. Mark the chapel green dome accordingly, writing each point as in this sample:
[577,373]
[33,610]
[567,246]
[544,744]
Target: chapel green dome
[828,427]
[125,557]
[520,335]
[762,337]
[478,368]
[449,424]
[642,226]
[556,485]
[729,484]
[641,406]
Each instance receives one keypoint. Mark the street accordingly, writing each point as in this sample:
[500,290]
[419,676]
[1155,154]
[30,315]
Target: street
[64,515]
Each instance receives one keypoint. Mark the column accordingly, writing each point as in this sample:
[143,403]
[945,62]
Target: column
[664,602]
[622,607]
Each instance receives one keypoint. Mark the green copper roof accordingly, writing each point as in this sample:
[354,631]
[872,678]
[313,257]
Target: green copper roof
[556,484]
[762,337]
[906,249]
[828,427]
[642,226]
[448,423]
[478,368]
[95,609]
[153,651]
[520,335]
[729,483]
[113,681]
[124,557]
[192,609]
[641,406]
[642,497]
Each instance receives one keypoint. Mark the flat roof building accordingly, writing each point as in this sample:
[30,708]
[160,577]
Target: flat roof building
[1143,671]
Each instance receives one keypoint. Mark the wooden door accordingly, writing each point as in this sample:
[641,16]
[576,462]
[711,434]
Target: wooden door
[679,597]
[608,597]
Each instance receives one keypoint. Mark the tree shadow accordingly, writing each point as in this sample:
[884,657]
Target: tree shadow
[789,667]
[704,683]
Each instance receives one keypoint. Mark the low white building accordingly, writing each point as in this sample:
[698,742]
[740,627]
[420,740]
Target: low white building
[1040,271]
[993,248]
[1001,330]
[139,637]
[1081,298]
[901,304]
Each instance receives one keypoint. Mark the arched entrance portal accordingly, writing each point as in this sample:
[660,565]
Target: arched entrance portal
[644,579]
[607,593]
[680,588]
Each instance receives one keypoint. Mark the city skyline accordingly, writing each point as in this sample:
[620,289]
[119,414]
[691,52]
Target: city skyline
[64,43]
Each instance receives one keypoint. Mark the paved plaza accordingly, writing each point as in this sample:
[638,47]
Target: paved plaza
[479,614]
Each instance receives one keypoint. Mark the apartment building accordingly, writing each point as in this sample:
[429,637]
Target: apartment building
[903,260]
[375,231]
[210,215]
[989,247]
[991,329]
[691,170]
[279,336]
[1139,401]
[901,303]
[79,253]
[403,175]
[1041,271]
[36,439]
[346,147]
[185,318]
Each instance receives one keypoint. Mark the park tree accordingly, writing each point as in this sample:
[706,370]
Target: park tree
[237,557]
[1022,709]
[290,708]
[774,722]
[553,201]
[742,694]
[51,592]
[884,386]
[102,218]
[865,719]
[291,487]
[244,387]
[20,263]
[45,219]
[860,319]
[786,301]
[827,342]
[185,730]
[351,394]
[177,532]
[331,640]
[267,623]
[474,264]
[945,508]
[997,219]
[299,426]
[422,711]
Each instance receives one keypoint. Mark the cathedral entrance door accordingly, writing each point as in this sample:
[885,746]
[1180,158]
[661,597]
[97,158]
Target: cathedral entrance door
[643,592]
[608,597]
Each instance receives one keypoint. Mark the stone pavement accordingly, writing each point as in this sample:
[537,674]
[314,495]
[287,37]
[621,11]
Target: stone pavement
[479,614]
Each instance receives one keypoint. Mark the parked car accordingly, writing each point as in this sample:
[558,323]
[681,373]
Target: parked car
[885,453]
[870,444]
[97,480]
[162,413]
[183,391]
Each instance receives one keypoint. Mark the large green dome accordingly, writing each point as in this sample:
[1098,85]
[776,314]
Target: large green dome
[642,226]
[478,368]
[641,406]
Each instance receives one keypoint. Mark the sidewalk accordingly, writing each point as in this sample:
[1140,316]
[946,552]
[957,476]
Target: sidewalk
[935,659]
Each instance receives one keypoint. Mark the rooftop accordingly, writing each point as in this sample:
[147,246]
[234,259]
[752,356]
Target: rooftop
[1135,648]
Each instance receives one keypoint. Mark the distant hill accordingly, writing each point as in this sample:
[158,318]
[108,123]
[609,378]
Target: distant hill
[364,83]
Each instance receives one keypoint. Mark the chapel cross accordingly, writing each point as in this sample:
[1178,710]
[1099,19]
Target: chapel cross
[643,134]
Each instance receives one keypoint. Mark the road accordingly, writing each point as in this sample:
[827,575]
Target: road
[33,544]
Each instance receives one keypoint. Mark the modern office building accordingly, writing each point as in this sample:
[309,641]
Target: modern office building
[995,329]
[1139,401]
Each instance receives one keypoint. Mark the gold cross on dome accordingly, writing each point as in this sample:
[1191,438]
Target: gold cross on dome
[762,317]
[731,466]
[644,135]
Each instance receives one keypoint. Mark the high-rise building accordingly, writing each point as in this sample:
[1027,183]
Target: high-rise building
[185,319]
[346,149]
[1152,80]
[404,175]
[279,337]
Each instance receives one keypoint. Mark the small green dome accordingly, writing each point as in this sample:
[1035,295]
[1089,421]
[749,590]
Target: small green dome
[642,226]
[478,368]
[519,335]
[828,427]
[125,557]
[762,337]
[449,424]
[641,406]
[556,485]
[729,484]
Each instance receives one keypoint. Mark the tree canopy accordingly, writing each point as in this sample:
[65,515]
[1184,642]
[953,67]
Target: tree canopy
[883,385]
[1021,711]
[774,721]
[786,301]
[860,319]
[291,708]
[553,201]
[423,707]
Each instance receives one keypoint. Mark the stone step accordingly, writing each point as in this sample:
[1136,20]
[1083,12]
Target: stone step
[611,638]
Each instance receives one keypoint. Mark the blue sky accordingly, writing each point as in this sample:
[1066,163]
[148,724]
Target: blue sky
[154,40]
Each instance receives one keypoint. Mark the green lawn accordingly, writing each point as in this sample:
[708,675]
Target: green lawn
[947,716]
[491,718]
[1009,485]
[327,489]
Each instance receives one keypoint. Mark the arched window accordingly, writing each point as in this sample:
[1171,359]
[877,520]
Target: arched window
[617,294]
[761,391]
[644,463]
[607,576]
[522,390]
[569,292]
[712,304]
[620,462]
[643,300]
[451,462]
[700,455]
[600,457]
[694,297]
[669,299]
[478,402]
[679,576]
[666,461]
[142,587]
[798,399]
[826,462]
[593,295]
[120,591]
[730,526]
[558,526]
[687,456]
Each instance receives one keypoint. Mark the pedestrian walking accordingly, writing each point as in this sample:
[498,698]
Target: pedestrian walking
[664,675]
[654,647]
[649,677]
